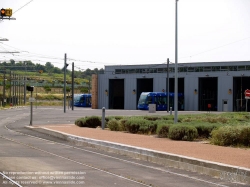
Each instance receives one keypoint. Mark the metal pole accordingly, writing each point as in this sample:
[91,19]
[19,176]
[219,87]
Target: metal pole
[13,77]
[31,109]
[89,86]
[176,67]
[10,88]
[168,84]
[103,117]
[68,100]
[19,90]
[4,77]
[36,97]
[15,89]
[24,87]
[23,90]
[241,95]
[64,92]
[73,87]
[246,104]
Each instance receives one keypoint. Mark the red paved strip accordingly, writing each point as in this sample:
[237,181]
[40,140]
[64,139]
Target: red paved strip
[226,155]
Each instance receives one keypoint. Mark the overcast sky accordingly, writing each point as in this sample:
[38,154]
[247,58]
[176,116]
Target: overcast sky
[95,33]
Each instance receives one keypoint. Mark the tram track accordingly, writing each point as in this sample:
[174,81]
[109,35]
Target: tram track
[14,139]
[77,162]
[9,121]
[105,155]
[8,180]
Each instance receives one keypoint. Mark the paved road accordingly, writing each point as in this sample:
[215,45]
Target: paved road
[38,160]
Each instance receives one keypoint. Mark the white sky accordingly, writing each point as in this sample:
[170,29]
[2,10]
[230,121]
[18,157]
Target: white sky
[125,32]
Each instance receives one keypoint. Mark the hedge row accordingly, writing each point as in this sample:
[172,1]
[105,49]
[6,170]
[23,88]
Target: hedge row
[150,125]
[187,130]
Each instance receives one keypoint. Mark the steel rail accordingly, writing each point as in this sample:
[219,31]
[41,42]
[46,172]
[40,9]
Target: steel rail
[11,180]
[104,155]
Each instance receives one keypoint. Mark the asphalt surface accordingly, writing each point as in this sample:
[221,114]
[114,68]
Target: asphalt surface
[35,159]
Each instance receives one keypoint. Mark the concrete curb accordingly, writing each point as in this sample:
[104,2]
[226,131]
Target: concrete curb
[214,169]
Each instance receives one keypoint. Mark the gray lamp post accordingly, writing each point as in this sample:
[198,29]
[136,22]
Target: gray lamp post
[176,66]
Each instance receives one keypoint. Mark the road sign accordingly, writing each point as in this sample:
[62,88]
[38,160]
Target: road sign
[32,99]
[247,93]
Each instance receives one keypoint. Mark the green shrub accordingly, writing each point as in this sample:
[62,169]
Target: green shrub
[163,130]
[182,132]
[108,118]
[118,117]
[152,128]
[92,122]
[191,118]
[204,129]
[152,118]
[217,119]
[225,136]
[144,127]
[188,119]
[147,127]
[132,125]
[168,118]
[245,136]
[114,125]
[231,136]
[135,125]
[123,124]
[80,122]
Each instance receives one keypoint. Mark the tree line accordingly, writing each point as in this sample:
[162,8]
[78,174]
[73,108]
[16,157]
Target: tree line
[29,66]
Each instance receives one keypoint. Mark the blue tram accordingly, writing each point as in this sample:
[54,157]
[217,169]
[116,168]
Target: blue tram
[82,100]
[160,99]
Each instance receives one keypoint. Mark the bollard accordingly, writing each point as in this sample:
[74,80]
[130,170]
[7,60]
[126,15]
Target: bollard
[103,117]
[170,110]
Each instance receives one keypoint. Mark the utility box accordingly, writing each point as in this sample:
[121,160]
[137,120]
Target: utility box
[151,108]
[224,106]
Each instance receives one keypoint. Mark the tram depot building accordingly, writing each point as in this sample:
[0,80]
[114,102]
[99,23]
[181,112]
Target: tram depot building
[218,84]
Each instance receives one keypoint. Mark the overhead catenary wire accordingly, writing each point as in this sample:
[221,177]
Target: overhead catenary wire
[34,56]
[212,49]
[22,7]
[53,62]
